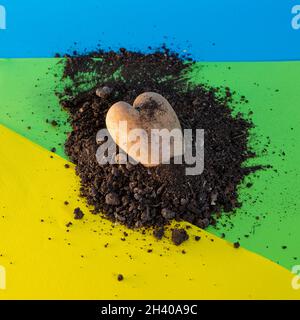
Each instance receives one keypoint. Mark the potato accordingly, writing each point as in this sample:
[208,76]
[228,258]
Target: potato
[131,127]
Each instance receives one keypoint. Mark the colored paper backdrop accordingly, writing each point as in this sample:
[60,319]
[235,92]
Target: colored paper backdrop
[219,30]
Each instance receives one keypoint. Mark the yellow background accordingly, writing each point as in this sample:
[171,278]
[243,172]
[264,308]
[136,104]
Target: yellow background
[77,265]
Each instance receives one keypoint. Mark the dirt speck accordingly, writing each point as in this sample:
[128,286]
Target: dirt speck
[179,236]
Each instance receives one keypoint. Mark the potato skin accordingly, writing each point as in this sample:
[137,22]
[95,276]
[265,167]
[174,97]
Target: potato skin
[150,111]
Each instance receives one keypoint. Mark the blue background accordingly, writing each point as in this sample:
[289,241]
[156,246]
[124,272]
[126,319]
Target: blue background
[211,30]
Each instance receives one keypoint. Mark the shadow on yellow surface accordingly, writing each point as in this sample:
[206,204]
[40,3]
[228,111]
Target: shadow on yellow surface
[45,259]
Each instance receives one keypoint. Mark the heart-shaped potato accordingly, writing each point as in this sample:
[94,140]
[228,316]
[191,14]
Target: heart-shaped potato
[149,131]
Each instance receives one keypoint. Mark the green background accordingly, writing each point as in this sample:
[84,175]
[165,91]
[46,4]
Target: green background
[269,219]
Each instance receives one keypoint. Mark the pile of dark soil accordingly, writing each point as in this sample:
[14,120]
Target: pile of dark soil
[134,195]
